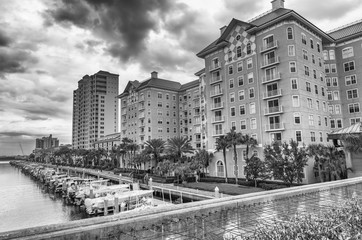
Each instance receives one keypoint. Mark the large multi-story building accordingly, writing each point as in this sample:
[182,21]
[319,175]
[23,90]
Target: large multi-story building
[279,77]
[46,142]
[95,109]
[160,108]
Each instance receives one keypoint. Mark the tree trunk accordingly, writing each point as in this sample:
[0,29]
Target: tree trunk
[226,166]
[236,170]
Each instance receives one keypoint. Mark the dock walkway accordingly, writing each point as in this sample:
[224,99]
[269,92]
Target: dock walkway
[194,194]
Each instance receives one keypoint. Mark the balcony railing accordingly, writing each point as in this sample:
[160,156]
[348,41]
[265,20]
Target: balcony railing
[141,99]
[214,66]
[217,105]
[218,119]
[141,116]
[275,127]
[141,108]
[273,110]
[217,92]
[216,79]
[271,78]
[218,133]
[269,46]
[124,113]
[270,62]
[273,93]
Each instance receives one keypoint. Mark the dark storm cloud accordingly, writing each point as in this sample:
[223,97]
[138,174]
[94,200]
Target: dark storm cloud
[4,39]
[35,118]
[124,24]
[43,110]
[41,72]
[14,60]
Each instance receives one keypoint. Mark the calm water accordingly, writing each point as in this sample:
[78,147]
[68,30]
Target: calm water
[24,203]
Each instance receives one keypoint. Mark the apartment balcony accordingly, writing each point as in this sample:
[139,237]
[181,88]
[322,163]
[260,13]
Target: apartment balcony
[123,105]
[124,113]
[141,99]
[218,133]
[214,67]
[197,123]
[196,97]
[142,125]
[141,116]
[216,93]
[142,134]
[216,106]
[272,94]
[270,62]
[275,127]
[273,110]
[198,139]
[141,108]
[124,120]
[269,46]
[216,79]
[218,119]
[271,78]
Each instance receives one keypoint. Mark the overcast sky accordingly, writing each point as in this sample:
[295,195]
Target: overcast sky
[47,46]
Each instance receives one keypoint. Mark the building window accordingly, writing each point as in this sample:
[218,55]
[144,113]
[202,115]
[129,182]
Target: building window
[251,93]
[233,125]
[249,63]
[243,124]
[241,95]
[333,123]
[354,120]
[307,86]
[304,39]
[159,104]
[311,43]
[326,121]
[314,74]
[353,93]
[335,82]
[297,118]
[232,97]
[239,66]
[231,71]
[328,82]
[336,95]
[324,106]
[232,111]
[230,56]
[242,110]
[333,68]
[318,47]
[347,52]
[294,82]
[292,67]
[350,80]
[311,120]
[248,48]
[329,95]
[330,109]
[332,55]
[295,101]
[238,52]
[252,108]
[322,90]
[291,50]
[231,83]
[348,66]
[298,136]
[353,108]
[316,89]
[312,136]
[313,59]
[253,123]
[290,33]
[320,62]
[159,95]
[325,55]
[240,81]
[317,105]
[250,77]
[310,103]
[306,70]
[339,123]
[305,54]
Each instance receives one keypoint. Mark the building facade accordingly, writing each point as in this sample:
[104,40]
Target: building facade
[46,142]
[95,109]
[269,78]
[161,109]
[108,142]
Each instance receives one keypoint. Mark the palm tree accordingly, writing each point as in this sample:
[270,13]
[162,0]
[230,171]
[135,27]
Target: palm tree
[317,150]
[234,139]
[178,146]
[223,144]
[203,159]
[249,142]
[155,147]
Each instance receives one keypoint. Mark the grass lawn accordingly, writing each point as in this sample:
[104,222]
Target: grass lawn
[225,188]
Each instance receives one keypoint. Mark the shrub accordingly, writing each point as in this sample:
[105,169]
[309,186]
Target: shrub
[271,186]
[343,221]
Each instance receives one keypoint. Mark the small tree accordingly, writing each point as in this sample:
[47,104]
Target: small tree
[256,169]
[201,160]
[286,161]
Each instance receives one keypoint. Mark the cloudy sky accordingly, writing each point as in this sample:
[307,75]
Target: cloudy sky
[46,46]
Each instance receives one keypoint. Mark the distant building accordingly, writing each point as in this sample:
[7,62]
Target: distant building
[46,142]
[107,142]
[95,109]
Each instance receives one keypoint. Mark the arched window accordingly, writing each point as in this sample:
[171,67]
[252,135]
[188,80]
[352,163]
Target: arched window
[230,56]
[290,33]
[248,48]
[220,169]
[238,51]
